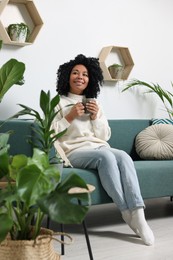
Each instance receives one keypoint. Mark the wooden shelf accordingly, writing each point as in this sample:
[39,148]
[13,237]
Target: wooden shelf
[32,13]
[124,56]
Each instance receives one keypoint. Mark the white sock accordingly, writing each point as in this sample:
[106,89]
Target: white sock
[127,217]
[138,222]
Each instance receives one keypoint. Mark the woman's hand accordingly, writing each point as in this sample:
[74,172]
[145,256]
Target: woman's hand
[77,110]
[93,108]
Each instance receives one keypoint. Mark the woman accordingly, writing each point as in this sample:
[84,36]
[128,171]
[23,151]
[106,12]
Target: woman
[85,142]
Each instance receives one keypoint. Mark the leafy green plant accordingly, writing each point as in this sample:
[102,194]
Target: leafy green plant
[115,65]
[11,73]
[45,135]
[33,190]
[33,187]
[165,96]
[18,31]
[116,70]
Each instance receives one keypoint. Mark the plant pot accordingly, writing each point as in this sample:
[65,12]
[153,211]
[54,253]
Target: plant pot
[39,249]
[116,71]
[18,32]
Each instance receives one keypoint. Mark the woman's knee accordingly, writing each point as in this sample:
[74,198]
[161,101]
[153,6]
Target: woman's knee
[121,156]
[106,157]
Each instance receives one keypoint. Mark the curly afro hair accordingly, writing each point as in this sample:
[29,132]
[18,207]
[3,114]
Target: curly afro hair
[94,72]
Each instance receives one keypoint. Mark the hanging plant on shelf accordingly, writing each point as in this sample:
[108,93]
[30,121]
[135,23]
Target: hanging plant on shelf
[18,32]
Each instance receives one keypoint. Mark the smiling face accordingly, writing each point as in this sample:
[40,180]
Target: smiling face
[78,79]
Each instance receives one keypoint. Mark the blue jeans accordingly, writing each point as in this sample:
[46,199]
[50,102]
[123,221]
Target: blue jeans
[116,172]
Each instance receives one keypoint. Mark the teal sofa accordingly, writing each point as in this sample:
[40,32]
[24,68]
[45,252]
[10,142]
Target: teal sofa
[155,176]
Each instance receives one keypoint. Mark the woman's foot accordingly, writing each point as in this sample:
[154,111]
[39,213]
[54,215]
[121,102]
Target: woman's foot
[126,215]
[138,222]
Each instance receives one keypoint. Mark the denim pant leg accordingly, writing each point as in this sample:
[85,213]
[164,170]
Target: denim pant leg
[123,186]
[129,179]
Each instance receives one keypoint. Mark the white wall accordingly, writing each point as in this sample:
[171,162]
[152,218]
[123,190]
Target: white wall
[73,27]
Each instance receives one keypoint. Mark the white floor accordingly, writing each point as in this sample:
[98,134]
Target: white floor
[112,239]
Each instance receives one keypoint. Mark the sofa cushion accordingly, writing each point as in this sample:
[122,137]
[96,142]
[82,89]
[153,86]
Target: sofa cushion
[155,177]
[155,142]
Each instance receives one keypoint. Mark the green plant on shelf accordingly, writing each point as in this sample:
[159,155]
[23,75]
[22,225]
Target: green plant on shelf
[116,70]
[18,32]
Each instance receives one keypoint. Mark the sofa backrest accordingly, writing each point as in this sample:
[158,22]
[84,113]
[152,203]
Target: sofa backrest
[124,132]
[21,135]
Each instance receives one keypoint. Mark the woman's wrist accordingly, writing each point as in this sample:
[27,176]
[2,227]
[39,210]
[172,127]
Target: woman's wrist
[93,117]
[69,118]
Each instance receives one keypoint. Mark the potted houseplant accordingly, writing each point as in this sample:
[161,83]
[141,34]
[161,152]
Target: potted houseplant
[116,70]
[165,96]
[18,32]
[33,189]
[11,73]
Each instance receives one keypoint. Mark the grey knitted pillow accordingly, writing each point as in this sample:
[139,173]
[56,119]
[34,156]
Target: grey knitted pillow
[155,142]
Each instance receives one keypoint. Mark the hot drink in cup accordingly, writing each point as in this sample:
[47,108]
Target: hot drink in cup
[87,100]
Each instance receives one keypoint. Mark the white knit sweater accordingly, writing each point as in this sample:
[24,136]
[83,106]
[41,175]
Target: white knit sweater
[82,133]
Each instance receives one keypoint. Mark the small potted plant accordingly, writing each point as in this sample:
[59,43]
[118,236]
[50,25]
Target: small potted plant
[32,190]
[116,70]
[18,32]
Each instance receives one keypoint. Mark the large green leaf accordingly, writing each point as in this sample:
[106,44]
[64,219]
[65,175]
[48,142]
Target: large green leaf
[4,137]
[63,207]
[8,196]
[31,184]
[7,225]
[44,101]
[4,157]
[40,159]
[55,101]
[37,178]
[18,162]
[4,163]
[10,73]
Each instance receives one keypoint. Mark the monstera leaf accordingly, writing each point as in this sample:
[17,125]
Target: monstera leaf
[11,73]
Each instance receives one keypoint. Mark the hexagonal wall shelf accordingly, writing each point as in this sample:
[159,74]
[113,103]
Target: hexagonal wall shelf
[32,13]
[124,57]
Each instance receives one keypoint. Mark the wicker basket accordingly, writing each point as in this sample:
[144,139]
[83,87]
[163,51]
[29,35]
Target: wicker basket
[39,249]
